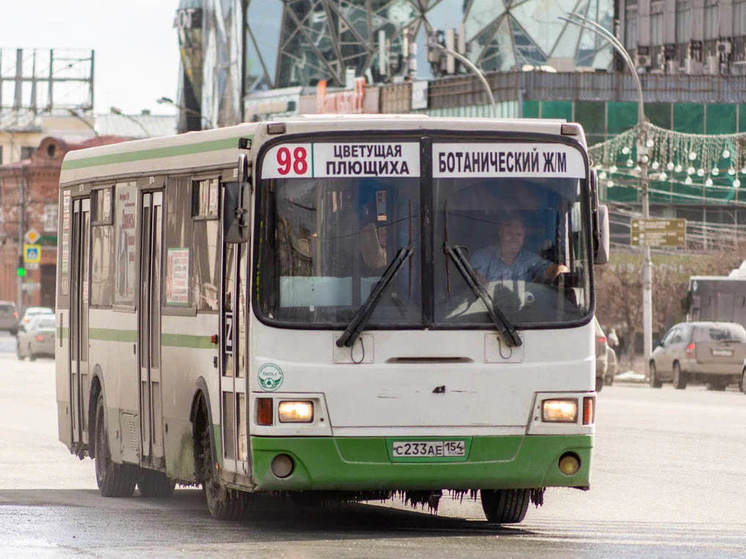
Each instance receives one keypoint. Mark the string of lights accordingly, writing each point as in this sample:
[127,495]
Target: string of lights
[714,161]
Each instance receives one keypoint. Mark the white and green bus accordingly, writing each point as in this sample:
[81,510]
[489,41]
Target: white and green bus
[346,307]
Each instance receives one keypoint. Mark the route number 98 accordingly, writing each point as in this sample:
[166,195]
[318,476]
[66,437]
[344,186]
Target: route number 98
[292,158]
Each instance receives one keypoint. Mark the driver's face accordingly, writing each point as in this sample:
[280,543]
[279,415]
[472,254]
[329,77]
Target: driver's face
[512,234]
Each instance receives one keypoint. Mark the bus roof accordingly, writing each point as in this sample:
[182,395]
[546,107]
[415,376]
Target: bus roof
[215,149]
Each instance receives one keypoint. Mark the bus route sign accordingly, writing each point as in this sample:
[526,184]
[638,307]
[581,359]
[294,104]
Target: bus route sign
[658,232]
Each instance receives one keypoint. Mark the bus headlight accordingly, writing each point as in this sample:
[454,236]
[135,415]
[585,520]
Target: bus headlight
[295,412]
[557,410]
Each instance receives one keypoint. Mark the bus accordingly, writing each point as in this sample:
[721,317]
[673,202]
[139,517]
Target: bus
[347,307]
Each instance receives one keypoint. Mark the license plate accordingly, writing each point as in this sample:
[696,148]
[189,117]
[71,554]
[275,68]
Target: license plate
[723,352]
[429,449]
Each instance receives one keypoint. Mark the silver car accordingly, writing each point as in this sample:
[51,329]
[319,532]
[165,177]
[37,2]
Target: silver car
[37,338]
[710,352]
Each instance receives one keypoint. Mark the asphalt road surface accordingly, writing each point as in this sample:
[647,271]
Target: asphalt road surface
[669,480]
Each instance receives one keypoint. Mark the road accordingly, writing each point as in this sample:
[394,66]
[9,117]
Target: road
[668,481]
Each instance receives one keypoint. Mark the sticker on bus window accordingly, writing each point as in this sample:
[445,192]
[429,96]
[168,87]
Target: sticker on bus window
[330,160]
[546,160]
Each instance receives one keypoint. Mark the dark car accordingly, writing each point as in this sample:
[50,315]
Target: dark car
[8,316]
[709,352]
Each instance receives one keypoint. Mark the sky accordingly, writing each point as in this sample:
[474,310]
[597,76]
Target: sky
[136,47]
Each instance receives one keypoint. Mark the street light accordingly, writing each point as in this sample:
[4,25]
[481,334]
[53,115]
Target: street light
[468,63]
[77,115]
[642,156]
[169,101]
[117,111]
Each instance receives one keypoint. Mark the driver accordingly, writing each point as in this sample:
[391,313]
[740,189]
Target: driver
[509,260]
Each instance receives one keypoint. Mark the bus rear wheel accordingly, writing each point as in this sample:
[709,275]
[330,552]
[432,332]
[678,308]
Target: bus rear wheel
[505,506]
[155,484]
[222,502]
[114,480]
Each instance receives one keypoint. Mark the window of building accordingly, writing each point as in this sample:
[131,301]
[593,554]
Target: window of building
[683,21]
[711,21]
[26,152]
[739,15]
[656,29]
[630,28]
[1,155]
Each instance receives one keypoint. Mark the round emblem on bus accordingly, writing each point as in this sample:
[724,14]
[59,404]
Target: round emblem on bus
[270,377]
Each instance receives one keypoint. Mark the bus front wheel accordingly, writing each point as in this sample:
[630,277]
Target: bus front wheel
[505,506]
[114,480]
[222,502]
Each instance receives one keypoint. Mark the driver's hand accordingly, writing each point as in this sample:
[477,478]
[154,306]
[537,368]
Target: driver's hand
[554,270]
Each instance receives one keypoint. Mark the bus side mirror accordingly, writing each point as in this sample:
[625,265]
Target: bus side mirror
[236,196]
[601,235]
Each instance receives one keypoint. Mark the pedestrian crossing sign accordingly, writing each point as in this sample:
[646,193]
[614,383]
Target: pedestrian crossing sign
[32,254]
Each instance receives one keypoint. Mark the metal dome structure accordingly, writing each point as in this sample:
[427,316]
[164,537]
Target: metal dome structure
[298,42]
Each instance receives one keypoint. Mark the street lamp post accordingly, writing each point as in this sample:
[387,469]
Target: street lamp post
[471,66]
[117,111]
[169,101]
[77,115]
[643,147]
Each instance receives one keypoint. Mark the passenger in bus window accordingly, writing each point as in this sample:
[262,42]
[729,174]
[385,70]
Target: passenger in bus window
[508,258]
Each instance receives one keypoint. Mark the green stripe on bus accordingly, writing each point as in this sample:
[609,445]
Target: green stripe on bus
[187,340]
[112,335]
[155,153]
[170,340]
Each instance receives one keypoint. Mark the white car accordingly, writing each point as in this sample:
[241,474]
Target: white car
[31,312]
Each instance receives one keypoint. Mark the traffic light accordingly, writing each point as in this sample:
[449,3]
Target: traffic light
[21,270]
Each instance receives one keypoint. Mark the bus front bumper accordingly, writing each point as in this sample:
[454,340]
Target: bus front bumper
[367,463]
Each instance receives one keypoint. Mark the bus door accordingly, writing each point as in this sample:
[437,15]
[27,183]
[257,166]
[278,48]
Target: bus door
[233,378]
[149,327]
[79,268]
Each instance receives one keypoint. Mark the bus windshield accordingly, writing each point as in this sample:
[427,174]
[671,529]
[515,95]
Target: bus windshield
[323,241]
[526,241]
[328,243]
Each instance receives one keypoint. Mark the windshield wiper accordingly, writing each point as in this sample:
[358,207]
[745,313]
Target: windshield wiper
[361,316]
[501,322]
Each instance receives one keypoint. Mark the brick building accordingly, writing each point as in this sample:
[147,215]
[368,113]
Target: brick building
[38,179]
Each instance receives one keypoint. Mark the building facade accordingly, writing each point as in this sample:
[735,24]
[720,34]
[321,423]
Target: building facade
[29,194]
[685,36]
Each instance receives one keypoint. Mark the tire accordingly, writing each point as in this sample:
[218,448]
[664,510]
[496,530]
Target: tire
[155,484]
[505,506]
[655,381]
[743,381]
[222,503]
[599,384]
[114,480]
[679,377]
[20,356]
[609,380]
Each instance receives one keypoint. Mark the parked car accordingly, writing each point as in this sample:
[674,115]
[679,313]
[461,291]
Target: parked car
[8,317]
[710,352]
[37,338]
[32,312]
[601,357]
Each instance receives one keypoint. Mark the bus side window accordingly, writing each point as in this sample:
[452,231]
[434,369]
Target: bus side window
[179,235]
[125,264]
